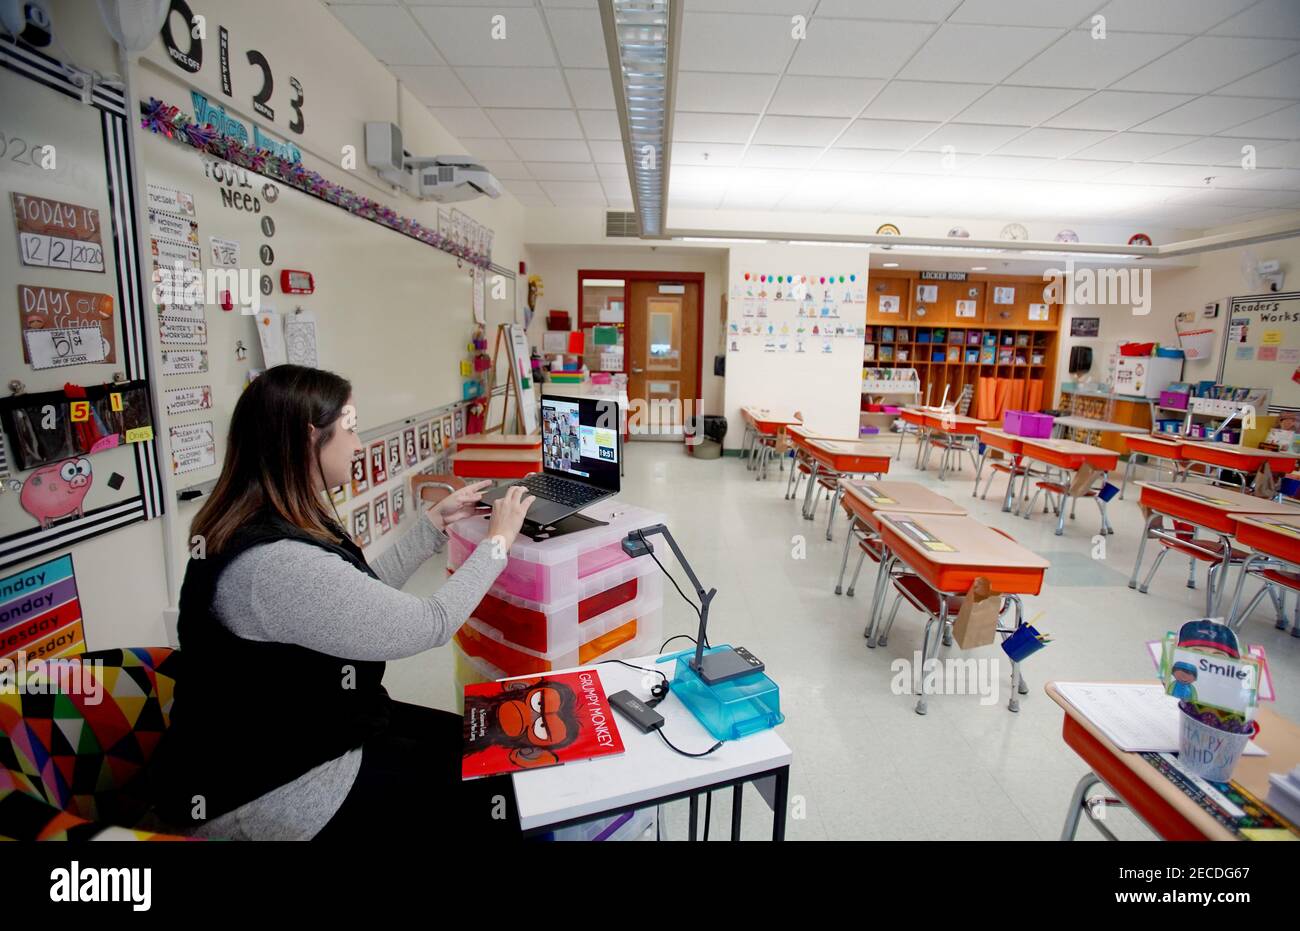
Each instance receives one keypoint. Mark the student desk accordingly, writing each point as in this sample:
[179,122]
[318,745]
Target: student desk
[862,500]
[1236,458]
[1160,804]
[1009,443]
[1204,506]
[839,458]
[948,553]
[1152,447]
[799,435]
[947,430]
[649,773]
[1068,456]
[1064,424]
[914,417]
[1275,539]
[499,441]
[760,421]
[496,463]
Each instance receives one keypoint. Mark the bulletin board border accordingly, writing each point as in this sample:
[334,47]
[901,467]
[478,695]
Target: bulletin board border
[1231,304]
[116,136]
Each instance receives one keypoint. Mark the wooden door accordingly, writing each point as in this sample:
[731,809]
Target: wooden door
[663,356]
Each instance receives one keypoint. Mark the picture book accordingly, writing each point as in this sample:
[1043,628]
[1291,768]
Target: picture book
[539,721]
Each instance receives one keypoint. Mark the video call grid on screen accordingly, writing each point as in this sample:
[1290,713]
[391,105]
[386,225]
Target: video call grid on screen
[580,439]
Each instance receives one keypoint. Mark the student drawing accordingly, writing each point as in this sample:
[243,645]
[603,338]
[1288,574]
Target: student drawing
[1184,676]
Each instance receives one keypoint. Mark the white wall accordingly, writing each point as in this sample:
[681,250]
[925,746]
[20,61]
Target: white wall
[826,388]
[559,265]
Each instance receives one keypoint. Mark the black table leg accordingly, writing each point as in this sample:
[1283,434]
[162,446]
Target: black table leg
[695,811]
[782,803]
[737,796]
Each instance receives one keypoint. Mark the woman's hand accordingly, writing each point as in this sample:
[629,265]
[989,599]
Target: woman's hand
[458,505]
[508,516]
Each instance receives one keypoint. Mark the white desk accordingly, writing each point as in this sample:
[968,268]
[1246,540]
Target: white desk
[649,773]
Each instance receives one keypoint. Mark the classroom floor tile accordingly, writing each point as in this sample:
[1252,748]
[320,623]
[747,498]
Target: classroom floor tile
[865,765]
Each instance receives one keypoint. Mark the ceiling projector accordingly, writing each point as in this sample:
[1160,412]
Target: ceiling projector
[442,178]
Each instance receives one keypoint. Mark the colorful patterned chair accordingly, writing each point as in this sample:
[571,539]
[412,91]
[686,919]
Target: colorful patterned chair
[71,769]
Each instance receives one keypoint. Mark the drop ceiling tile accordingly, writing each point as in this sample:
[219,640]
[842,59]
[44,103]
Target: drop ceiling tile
[1286,155]
[1061,14]
[1020,106]
[574,192]
[1279,80]
[785,8]
[536,124]
[600,124]
[725,42]
[465,121]
[551,150]
[846,48]
[562,171]
[1116,110]
[780,156]
[464,35]
[579,37]
[922,100]
[389,33]
[1003,166]
[706,153]
[1283,124]
[1210,114]
[969,138]
[1206,63]
[525,188]
[704,198]
[508,170]
[752,200]
[699,176]
[855,159]
[1211,150]
[712,127]
[976,53]
[714,92]
[1236,198]
[480,3]
[606,150]
[1274,19]
[1079,60]
[1148,173]
[927,163]
[433,85]
[885,134]
[1131,147]
[1068,169]
[617,192]
[924,11]
[799,130]
[534,200]
[593,89]
[557,4]
[1052,143]
[515,87]
[1273,179]
[1185,16]
[496,149]
[806,95]
[612,171]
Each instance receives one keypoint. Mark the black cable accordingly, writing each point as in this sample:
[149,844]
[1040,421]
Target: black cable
[683,752]
[685,597]
[676,637]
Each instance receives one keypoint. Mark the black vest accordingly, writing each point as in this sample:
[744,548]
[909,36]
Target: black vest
[250,716]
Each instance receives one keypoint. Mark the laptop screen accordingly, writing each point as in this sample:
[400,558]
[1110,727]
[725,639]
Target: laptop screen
[580,439]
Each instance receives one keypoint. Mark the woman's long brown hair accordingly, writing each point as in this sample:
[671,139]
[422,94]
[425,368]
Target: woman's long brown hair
[271,462]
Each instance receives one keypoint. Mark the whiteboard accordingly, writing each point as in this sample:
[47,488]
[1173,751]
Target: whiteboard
[392,314]
[523,376]
[1261,346]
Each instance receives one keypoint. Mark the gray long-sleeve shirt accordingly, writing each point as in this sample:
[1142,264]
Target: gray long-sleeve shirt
[293,592]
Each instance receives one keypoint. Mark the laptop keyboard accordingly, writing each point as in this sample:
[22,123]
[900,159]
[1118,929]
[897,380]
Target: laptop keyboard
[570,494]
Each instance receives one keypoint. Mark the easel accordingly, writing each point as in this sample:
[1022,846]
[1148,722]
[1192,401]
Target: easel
[505,392]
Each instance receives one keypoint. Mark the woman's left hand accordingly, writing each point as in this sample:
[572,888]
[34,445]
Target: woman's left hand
[458,505]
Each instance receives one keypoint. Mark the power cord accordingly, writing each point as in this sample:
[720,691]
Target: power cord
[657,694]
[685,597]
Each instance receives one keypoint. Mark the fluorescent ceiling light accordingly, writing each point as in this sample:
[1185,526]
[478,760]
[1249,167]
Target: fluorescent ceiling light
[746,242]
[813,242]
[979,268]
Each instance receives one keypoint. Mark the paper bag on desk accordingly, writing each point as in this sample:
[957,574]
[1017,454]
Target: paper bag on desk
[977,621]
[1265,483]
[1082,480]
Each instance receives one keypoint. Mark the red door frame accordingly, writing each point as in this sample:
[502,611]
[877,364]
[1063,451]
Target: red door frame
[665,277]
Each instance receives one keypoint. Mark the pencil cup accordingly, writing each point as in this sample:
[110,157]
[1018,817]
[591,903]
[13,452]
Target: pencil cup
[1208,751]
[1022,643]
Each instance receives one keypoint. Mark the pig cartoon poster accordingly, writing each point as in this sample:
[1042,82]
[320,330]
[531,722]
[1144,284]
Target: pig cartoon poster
[57,491]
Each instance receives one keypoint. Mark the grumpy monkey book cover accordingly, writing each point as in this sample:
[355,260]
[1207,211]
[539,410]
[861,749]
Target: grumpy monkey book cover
[534,722]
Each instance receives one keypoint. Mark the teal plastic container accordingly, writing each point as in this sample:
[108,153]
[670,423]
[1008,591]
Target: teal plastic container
[729,710]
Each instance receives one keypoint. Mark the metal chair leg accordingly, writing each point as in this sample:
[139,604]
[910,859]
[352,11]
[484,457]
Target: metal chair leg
[1142,545]
[883,639]
[1146,583]
[853,583]
[844,562]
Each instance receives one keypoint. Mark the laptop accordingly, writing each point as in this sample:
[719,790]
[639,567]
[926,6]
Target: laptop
[581,445]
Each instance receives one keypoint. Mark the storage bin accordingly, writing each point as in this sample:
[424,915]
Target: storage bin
[547,627]
[628,826]
[632,629]
[547,571]
[1028,424]
[1169,352]
[1176,399]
